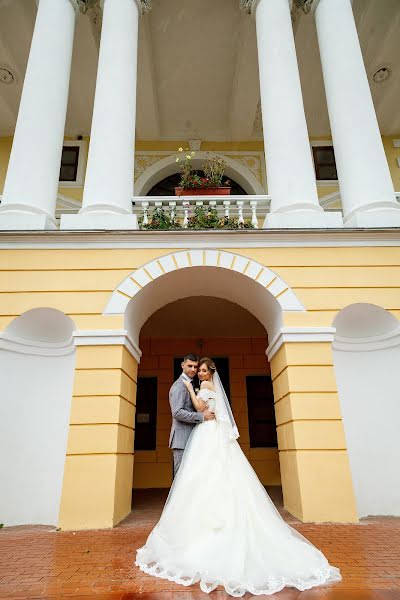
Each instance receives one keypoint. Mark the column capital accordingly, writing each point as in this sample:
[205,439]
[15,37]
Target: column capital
[307,6]
[143,5]
[247,6]
[83,5]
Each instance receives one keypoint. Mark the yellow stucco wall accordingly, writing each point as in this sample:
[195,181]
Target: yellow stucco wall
[79,282]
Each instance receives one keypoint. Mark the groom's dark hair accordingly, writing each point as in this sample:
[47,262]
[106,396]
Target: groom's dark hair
[192,357]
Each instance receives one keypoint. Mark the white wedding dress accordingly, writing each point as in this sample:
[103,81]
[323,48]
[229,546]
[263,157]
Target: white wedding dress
[220,527]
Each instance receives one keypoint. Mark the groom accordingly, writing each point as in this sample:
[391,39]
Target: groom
[184,415]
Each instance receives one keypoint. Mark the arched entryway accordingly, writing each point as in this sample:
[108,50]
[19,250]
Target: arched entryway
[37,360]
[223,281]
[367,358]
[313,460]
[236,340]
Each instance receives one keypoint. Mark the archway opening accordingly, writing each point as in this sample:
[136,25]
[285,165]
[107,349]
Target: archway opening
[206,326]
[366,358]
[37,361]
[213,311]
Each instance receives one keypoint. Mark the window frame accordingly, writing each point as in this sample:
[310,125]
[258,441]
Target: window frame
[323,144]
[154,413]
[82,158]
[250,414]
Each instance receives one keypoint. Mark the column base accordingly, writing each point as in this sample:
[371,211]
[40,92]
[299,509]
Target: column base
[303,220]
[103,220]
[378,218]
[19,221]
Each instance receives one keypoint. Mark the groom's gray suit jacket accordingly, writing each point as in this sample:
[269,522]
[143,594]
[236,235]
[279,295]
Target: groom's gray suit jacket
[184,415]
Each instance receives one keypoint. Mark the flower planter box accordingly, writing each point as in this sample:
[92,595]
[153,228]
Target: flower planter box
[207,191]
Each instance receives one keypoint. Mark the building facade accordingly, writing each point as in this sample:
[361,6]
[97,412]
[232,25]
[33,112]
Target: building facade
[301,310]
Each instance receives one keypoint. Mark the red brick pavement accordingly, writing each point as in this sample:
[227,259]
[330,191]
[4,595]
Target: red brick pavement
[40,562]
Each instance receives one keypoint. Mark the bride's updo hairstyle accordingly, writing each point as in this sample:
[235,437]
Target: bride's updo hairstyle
[210,364]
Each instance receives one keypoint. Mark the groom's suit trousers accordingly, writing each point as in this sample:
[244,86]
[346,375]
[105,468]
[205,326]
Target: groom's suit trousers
[178,454]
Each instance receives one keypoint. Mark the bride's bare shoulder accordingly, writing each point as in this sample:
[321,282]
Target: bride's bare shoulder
[207,385]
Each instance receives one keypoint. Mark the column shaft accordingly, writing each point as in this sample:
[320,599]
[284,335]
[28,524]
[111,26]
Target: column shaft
[30,190]
[107,197]
[291,178]
[365,183]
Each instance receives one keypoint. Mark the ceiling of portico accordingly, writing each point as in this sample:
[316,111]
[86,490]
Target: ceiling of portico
[197,69]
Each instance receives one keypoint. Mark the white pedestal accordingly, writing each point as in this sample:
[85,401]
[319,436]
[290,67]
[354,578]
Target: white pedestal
[378,218]
[25,222]
[89,221]
[303,220]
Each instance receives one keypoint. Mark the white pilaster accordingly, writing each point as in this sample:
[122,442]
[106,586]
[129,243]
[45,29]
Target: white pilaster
[30,189]
[290,172]
[366,186]
[107,197]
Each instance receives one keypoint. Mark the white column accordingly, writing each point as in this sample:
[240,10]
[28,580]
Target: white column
[366,186]
[30,190]
[107,197]
[290,172]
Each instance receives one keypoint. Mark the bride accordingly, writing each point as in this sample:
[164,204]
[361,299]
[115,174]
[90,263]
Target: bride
[218,525]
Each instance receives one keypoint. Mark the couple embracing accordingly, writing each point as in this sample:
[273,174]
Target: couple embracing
[219,527]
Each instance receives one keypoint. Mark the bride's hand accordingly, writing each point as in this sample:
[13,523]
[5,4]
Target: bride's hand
[188,384]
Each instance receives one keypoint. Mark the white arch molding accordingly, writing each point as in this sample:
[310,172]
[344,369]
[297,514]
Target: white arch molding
[168,166]
[215,273]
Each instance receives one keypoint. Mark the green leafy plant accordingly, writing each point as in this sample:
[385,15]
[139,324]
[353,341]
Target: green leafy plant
[213,167]
[160,219]
[205,217]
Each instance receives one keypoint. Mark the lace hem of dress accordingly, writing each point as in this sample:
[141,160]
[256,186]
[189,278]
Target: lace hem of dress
[272,584]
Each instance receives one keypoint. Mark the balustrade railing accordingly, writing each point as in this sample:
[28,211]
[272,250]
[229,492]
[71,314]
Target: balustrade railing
[243,208]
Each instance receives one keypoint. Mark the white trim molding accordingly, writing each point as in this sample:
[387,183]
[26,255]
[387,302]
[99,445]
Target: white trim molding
[299,335]
[137,280]
[19,345]
[383,341]
[107,337]
[210,239]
